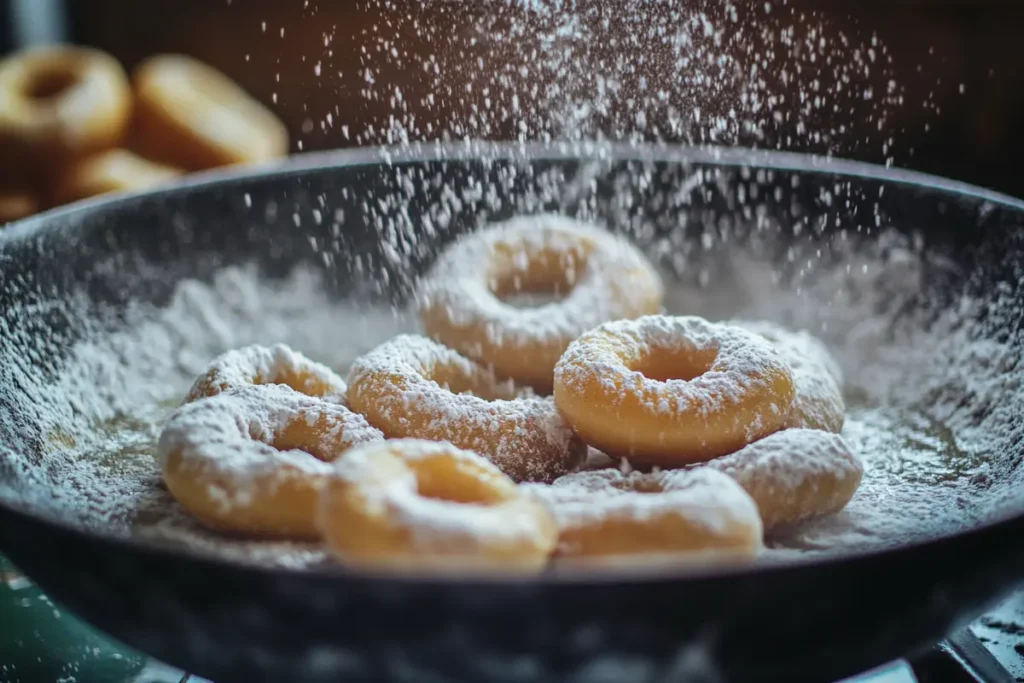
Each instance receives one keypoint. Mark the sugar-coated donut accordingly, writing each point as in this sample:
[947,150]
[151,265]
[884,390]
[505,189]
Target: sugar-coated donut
[419,505]
[277,364]
[794,474]
[17,204]
[413,387]
[190,115]
[114,170]
[59,103]
[602,277]
[817,379]
[611,517]
[251,460]
[672,390]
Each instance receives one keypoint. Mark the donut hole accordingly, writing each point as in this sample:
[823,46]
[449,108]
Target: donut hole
[533,299]
[454,481]
[50,82]
[538,279]
[685,364]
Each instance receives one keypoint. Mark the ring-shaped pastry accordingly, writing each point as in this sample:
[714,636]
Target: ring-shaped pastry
[58,103]
[424,506]
[113,170]
[794,474]
[192,116]
[251,460]
[606,517]
[670,391]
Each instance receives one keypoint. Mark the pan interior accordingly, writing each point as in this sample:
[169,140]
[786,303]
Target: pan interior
[110,312]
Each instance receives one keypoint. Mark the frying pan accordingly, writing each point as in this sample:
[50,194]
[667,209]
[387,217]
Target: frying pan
[84,273]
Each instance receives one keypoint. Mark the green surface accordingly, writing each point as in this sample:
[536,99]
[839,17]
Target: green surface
[42,643]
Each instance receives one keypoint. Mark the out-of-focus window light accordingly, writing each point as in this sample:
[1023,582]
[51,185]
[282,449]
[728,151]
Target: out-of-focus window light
[37,22]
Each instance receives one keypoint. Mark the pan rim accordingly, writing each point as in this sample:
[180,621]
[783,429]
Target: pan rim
[708,155]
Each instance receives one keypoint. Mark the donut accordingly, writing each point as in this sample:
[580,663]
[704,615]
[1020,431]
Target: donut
[413,387]
[464,299]
[671,391]
[16,204]
[794,474]
[60,103]
[251,460]
[426,505]
[115,170]
[612,517]
[277,364]
[192,116]
[817,379]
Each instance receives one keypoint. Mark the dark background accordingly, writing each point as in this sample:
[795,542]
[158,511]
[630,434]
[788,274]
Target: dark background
[937,49]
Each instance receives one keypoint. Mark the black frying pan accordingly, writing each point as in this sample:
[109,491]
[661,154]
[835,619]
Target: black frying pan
[78,274]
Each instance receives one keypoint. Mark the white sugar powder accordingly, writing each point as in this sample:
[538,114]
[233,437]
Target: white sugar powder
[934,414]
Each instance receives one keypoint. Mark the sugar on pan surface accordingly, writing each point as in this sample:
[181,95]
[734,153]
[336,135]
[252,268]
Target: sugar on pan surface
[109,310]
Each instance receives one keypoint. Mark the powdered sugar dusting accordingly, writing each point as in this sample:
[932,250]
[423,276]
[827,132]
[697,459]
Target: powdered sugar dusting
[607,355]
[799,348]
[930,385]
[934,389]
[256,364]
[613,280]
[523,435]
[791,457]
[817,379]
[704,497]
[794,474]
[104,413]
[435,524]
[235,432]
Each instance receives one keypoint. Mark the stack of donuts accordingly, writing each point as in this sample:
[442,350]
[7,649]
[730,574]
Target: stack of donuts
[73,124]
[590,428]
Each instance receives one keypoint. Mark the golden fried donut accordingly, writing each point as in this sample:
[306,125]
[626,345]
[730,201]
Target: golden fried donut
[611,517]
[252,459]
[413,387]
[669,391]
[817,379]
[602,277]
[59,103]
[192,116]
[16,204]
[426,505]
[115,170]
[794,474]
[277,364]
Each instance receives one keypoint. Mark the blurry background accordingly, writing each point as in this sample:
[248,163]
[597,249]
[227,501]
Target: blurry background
[331,69]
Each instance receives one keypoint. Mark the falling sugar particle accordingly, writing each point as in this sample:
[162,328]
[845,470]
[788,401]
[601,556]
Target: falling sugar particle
[765,75]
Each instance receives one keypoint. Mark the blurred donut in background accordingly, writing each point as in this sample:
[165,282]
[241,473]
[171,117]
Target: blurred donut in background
[113,170]
[17,204]
[73,125]
[193,116]
[57,104]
